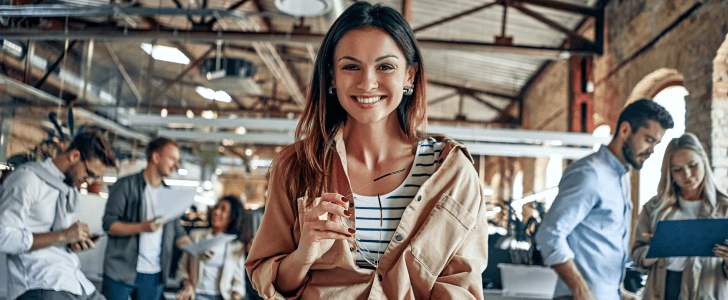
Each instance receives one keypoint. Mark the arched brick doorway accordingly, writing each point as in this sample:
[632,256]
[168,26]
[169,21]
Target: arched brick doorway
[666,87]
[655,82]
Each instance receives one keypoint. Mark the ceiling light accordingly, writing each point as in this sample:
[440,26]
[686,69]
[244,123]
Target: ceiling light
[261,162]
[183,172]
[190,114]
[207,185]
[240,130]
[204,200]
[209,114]
[303,8]
[248,152]
[165,53]
[226,142]
[221,149]
[107,97]
[38,62]
[13,49]
[210,94]
[179,182]
[163,113]
[218,171]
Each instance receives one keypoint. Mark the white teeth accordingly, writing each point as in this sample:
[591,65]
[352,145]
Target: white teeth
[368,100]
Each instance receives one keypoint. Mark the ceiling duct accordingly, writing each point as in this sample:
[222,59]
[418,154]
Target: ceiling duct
[232,75]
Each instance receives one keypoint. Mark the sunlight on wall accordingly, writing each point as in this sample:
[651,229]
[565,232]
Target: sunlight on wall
[554,170]
[673,99]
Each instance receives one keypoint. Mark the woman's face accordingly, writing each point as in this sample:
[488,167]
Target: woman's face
[370,72]
[220,216]
[687,170]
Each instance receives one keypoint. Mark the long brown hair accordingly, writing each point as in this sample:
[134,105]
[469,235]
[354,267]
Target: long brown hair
[323,116]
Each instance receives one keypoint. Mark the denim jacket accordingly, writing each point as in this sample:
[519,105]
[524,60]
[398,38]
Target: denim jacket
[439,251]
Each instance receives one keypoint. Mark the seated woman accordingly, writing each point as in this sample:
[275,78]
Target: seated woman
[364,203]
[686,191]
[219,273]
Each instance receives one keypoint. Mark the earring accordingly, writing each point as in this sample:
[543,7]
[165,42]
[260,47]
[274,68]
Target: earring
[409,91]
[332,90]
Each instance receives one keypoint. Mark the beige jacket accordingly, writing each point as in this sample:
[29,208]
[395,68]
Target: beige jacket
[441,254]
[232,277]
[704,277]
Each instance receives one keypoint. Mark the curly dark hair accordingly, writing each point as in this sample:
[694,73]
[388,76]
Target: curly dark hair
[236,215]
[638,112]
[92,144]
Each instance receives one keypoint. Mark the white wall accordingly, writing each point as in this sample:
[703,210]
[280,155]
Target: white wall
[91,210]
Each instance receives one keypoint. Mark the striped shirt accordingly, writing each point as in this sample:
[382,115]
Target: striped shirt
[374,231]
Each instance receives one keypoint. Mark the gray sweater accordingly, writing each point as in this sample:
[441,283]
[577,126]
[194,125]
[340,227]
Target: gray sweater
[122,252]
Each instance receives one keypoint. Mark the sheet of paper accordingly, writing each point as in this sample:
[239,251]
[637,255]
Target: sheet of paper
[172,204]
[204,245]
[687,237]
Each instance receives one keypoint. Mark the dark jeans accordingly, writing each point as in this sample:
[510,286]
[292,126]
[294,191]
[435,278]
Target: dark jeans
[673,281]
[252,293]
[58,295]
[146,287]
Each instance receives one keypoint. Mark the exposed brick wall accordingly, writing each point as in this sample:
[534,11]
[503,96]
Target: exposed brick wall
[719,114]
[690,47]
[546,102]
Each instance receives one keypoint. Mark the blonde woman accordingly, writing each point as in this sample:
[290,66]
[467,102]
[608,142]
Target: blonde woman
[687,190]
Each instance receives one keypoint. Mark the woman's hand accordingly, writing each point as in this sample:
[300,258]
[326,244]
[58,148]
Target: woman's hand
[187,292]
[205,256]
[721,250]
[235,295]
[321,226]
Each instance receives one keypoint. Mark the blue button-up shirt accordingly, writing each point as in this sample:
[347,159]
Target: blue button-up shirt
[589,222]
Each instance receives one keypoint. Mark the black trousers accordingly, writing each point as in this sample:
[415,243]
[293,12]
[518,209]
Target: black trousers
[672,285]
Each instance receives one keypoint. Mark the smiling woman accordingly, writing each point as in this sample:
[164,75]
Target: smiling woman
[218,274]
[333,224]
